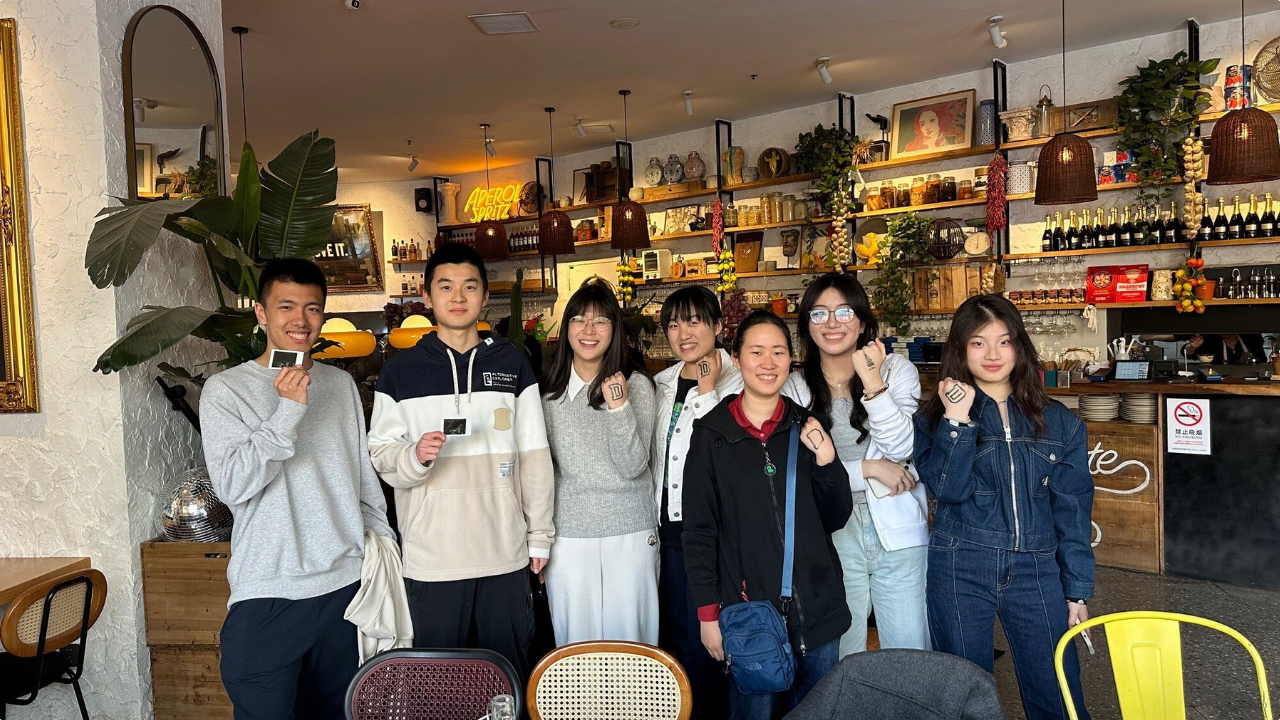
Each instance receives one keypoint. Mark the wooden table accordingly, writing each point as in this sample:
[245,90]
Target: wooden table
[18,574]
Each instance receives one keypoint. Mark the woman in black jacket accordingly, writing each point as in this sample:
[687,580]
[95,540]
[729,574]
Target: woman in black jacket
[734,502]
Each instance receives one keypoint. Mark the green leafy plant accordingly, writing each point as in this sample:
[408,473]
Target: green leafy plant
[1158,110]
[202,178]
[282,210]
[828,152]
[908,245]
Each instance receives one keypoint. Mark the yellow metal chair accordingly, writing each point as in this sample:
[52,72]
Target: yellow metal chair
[1146,658]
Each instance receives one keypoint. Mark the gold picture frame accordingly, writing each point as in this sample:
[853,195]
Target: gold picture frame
[19,390]
[933,126]
[351,261]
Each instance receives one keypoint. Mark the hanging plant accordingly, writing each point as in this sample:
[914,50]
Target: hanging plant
[1159,107]
[907,244]
[829,152]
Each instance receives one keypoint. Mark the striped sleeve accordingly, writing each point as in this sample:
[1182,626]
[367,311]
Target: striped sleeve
[536,477]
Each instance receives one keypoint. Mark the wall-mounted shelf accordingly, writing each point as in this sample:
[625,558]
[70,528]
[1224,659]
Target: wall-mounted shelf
[1109,132]
[1143,248]
[949,155]
[740,187]
[398,263]
[739,229]
[781,272]
[1101,188]
[921,208]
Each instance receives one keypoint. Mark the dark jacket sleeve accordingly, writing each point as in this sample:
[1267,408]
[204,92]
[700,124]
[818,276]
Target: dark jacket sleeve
[830,490]
[1071,499]
[701,520]
[944,459]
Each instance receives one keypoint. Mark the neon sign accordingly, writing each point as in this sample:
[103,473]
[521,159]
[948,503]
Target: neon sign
[492,203]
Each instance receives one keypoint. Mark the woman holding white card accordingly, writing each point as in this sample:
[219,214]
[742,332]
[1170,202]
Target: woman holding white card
[602,583]
[866,398]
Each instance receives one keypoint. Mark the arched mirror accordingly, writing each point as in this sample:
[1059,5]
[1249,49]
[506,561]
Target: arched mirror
[172,108]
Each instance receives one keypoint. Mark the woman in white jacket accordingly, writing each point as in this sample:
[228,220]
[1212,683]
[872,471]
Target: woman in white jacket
[866,400]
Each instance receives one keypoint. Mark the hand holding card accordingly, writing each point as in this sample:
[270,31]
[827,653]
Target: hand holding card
[455,426]
[429,445]
[292,382]
[284,358]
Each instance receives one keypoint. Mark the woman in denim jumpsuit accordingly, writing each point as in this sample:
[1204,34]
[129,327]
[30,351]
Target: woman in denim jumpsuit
[1011,534]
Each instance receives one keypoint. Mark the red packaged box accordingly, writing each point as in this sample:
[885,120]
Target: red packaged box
[1117,284]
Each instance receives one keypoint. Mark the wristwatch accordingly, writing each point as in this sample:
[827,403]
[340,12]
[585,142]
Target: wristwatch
[957,423]
[1078,601]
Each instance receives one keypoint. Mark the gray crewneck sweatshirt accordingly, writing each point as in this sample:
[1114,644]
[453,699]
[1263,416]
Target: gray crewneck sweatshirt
[297,479]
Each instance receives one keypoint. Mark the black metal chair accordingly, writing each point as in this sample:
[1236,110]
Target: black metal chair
[44,632]
[431,685]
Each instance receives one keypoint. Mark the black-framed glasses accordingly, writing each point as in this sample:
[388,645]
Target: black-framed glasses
[820,316]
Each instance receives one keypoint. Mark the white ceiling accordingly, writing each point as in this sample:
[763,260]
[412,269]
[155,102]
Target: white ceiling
[419,70]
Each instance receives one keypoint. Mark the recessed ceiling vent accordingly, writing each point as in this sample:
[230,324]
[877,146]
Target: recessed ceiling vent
[504,23]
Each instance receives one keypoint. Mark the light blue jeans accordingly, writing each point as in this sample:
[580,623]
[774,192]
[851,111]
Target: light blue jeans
[890,581]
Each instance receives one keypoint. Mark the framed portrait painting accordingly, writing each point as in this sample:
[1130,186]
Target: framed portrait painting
[933,125]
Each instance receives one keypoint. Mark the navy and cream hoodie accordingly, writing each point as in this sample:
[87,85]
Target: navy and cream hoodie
[484,506]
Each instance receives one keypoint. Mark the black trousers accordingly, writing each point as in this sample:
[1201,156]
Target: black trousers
[494,613]
[680,634]
[285,659]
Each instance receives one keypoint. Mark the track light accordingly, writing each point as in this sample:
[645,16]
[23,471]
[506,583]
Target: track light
[489,148]
[140,108]
[993,27]
[688,102]
[823,72]
[577,126]
[413,163]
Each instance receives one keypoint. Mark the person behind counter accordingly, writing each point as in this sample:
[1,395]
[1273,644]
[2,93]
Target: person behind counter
[1227,349]
[1011,534]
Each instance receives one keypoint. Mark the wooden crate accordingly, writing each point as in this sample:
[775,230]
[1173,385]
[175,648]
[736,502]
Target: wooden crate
[185,591]
[1125,461]
[187,683]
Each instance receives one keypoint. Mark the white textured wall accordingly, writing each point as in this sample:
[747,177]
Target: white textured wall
[77,478]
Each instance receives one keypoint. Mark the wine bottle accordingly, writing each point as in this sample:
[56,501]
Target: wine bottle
[1220,224]
[1157,227]
[1046,240]
[1073,233]
[1126,230]
[1113,230]
[1141,227]
[404,286]
[1252,221]
[1059,236]
[1267,228]
[1206,223]
[1173,229]
[1235,225]
[1099,229]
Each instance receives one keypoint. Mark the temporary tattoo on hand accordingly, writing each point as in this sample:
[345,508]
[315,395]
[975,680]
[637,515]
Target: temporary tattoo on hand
[704,368]
[615,392]
[871,364]
[815,441]
[956,393]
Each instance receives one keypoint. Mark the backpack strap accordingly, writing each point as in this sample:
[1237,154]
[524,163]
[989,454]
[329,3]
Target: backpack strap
[789,534]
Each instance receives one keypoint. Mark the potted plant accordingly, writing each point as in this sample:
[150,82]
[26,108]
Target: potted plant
[906,243]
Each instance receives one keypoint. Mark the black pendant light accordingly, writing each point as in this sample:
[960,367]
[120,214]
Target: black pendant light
[555,230]
[1244,147]
[491,235]
[630,222]
[1066,171]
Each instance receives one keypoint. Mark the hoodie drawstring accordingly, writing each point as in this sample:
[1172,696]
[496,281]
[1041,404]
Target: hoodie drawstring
[457,391]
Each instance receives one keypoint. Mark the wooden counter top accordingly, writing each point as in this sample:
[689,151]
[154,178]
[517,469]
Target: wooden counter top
[1229,386]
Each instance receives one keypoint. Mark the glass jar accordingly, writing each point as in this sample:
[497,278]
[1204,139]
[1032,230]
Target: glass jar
[904,195]
[873,198]
[932,189]
[775,206]
[917,190]
[888,196]
[730,214]
[979,183]
[766,211]
[788,208]
[964,191]
[802,209]
[948,192]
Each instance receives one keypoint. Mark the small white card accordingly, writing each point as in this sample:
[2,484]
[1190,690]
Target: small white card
[284,358]
[455,426]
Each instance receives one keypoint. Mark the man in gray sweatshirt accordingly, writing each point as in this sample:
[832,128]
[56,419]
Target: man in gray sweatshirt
[287,452]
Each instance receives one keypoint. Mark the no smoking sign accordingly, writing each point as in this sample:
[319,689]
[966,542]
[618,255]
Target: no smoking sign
[1187,427]
[1188,414]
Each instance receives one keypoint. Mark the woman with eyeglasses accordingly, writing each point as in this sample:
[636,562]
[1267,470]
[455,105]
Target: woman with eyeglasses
[866,399]
[602,583]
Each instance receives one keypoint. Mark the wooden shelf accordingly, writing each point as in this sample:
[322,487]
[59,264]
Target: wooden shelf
[781,272]
[972,202]
[740,229]
[410,295]
[1038,142]
[1144,248]
[1101,188]
[508,221]
[1240,241]
[407,262]
[551,290]
[1211,117]
[921,160]
[784,180]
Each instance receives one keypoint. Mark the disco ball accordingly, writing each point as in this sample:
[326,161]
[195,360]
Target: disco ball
[189,511]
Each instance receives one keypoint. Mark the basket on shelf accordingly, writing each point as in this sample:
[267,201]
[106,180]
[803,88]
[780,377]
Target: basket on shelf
[946,238]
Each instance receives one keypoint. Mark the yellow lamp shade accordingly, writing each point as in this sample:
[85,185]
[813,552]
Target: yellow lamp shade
[414,328]
[351,342]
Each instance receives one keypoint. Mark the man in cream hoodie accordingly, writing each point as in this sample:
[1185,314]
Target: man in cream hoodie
[458,431]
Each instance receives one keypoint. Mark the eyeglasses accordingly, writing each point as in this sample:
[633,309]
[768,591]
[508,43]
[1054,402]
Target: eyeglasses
[844,316]
[599,322]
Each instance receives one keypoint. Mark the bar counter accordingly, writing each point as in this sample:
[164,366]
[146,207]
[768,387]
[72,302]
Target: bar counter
[1228,386]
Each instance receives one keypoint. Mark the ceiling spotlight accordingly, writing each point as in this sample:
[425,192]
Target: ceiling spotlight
[577,126]
[624,23]
[488,147]
[413,163]
[993,26]
[140,108]
[688,102]
[823,72]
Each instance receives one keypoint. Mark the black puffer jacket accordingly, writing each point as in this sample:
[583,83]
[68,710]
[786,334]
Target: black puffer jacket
[733,524]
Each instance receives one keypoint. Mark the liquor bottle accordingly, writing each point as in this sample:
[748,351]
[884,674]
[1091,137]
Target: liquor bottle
[1267,228]
[1173,227]
[422,283]
[1126,230]
[404,286]
[1046,240]
[1206,223]
[1220,231]
[1113,230]
[1157,227]
[1252,221]
[1059,237]
[1235,225]
[1073,233]
[395,251]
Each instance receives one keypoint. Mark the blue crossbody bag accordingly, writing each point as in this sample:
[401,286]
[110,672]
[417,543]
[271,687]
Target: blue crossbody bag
[756,646]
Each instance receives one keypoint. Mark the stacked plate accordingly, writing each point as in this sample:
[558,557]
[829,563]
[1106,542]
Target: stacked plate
[1139,408]
[1099,408]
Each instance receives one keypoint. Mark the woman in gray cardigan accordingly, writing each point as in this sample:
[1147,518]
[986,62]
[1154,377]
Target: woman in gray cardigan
[602,582]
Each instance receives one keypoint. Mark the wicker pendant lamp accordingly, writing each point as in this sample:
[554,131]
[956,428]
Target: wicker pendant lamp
[630,222]
[1066,171]
[555,230]
[491,235]
[1244,147]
